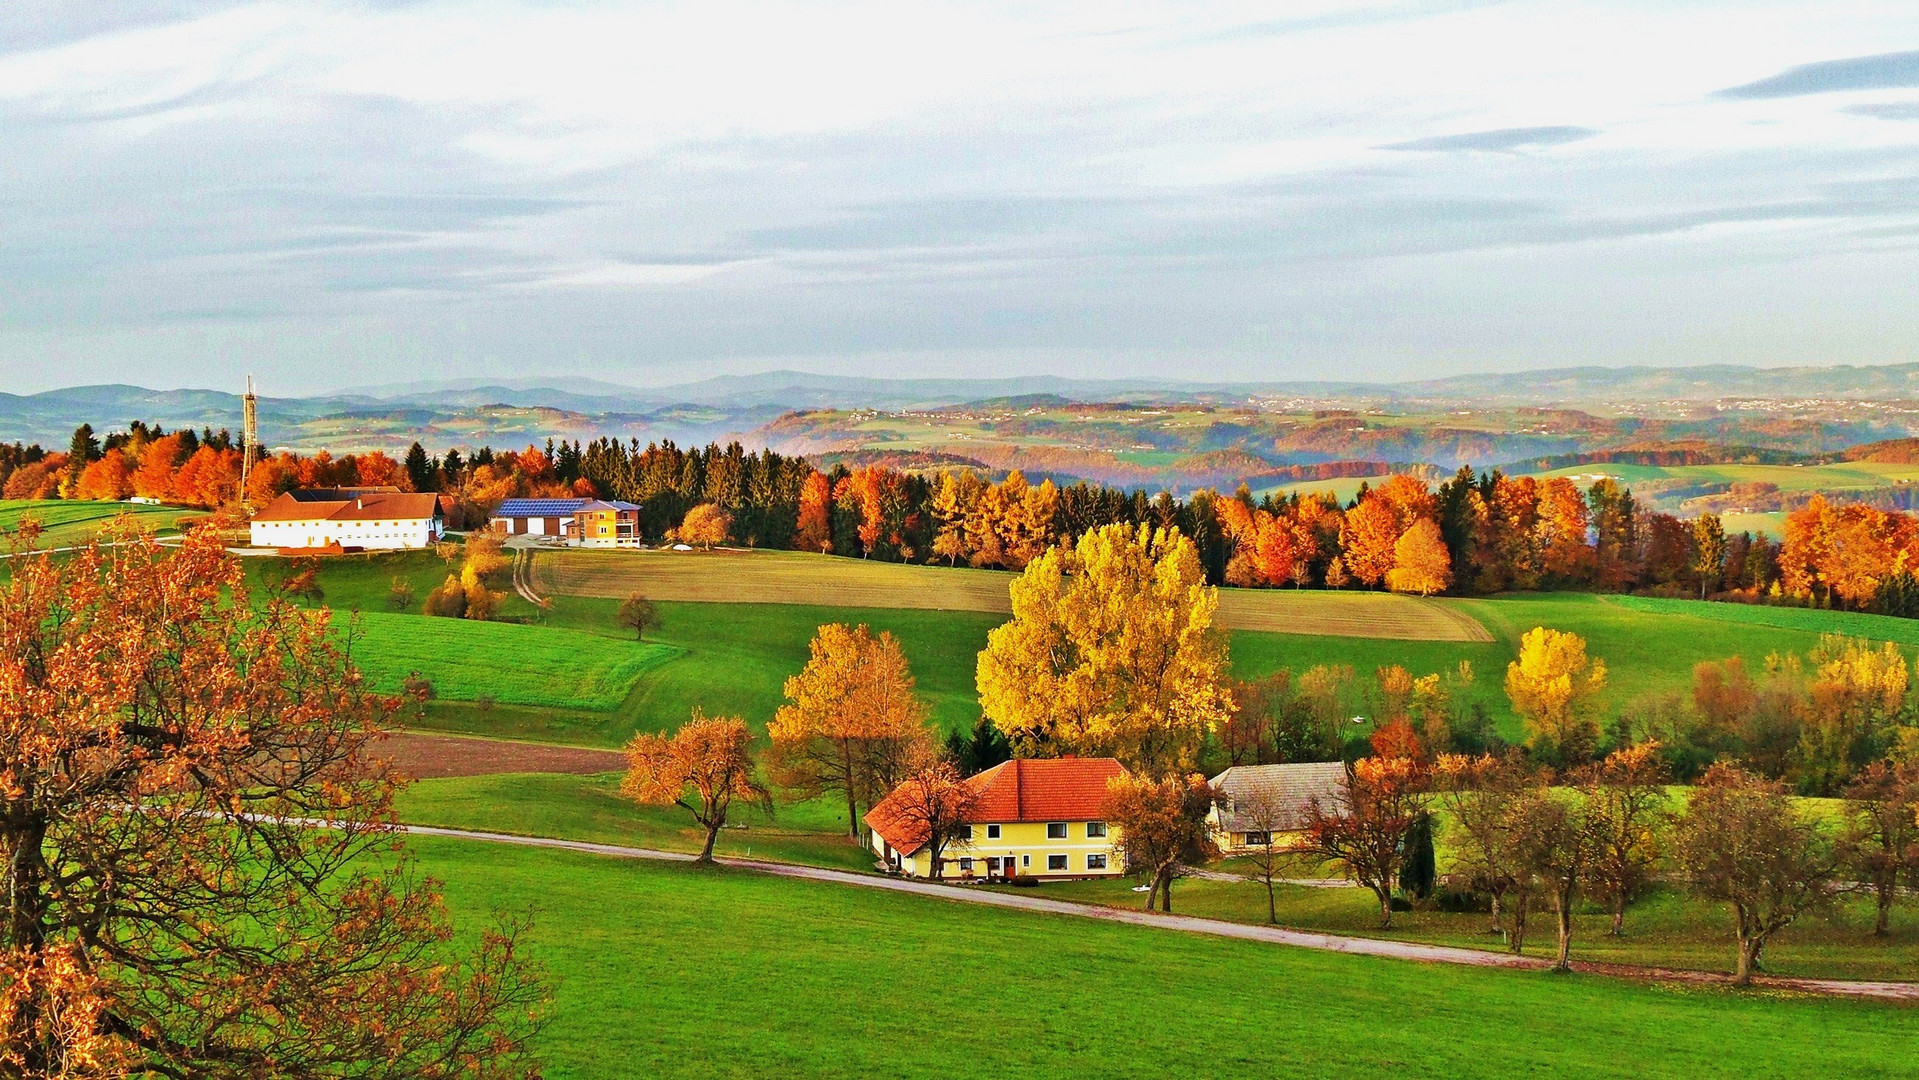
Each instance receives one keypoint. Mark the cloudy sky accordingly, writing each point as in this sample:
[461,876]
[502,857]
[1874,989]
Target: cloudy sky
[343,194]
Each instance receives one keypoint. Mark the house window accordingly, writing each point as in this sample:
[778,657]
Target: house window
[1258,839]
[1026,860]
[992,832]
[1095,862]
[1055,862]
[966,866]
[1056,830]
[1095,830]
[964,832]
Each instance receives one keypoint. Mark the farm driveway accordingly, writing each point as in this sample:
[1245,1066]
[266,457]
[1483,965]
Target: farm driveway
[1400,950]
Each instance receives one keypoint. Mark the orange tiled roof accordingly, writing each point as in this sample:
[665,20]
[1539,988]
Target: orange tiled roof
[369,506]
[1030,789]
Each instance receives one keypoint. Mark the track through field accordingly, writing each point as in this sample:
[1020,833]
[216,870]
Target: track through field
[782,577]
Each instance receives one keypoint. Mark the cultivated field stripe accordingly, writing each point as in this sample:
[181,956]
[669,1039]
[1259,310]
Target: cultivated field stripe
[742,577]
[1358,946]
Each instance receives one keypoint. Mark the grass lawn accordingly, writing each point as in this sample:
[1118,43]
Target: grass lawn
[590,808]
[515,664]
[71,521]
[670,971]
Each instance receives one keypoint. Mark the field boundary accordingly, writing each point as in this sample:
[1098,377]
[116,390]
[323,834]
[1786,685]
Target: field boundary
[1303,939]
[733,576]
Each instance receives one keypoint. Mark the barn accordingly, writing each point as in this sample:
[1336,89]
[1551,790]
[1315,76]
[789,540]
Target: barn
[536,517]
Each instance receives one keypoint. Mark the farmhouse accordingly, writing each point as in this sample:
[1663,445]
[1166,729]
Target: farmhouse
[1037,817]
[1237,818]
[536,517]
[605,524]
[349,518]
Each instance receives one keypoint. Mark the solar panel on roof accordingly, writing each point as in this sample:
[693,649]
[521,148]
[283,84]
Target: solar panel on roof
[538,507]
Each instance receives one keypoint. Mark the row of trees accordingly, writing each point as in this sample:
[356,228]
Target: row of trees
[1526,841]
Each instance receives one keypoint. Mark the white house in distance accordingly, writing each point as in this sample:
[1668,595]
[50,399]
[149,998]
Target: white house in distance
[347,518]
[536,517]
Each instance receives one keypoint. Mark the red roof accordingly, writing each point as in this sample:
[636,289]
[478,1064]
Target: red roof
[359,504]
[1023,789]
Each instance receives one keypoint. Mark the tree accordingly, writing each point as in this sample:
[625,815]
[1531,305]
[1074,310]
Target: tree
[419,468]
[1264,812]
[815,529]
[399,596]
[637,613]
[1553,841]
[1881,840]
[933,803]
[1368,539]
[706,525]
[702,768]
[449,600]
[1421,563]
[1479,794]
[985,748]
[1552,686]
[1744,843]
[1420,872]
[852,724]
[1366,829]
[1162,828]
[1709,552]
[1110,650]
[200,877]
[1625,801]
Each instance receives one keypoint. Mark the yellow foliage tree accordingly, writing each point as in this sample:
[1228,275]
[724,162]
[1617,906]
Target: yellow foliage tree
[1554,686]
[1111,650]
[851,725]
[1421,563]
[706,525]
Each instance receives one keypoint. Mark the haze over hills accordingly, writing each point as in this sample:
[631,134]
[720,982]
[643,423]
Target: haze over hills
[504,411]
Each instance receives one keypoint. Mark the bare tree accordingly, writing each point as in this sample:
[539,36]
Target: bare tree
[1881,841]
[1625,803]
[1265,814]
[1743,842]
[1478,794]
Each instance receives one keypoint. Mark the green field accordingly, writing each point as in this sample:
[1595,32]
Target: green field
[733,658]
[514,664]
[1839,476]
[668,971]
[69,521]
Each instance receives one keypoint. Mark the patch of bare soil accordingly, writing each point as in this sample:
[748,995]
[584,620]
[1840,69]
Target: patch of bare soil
[425,757]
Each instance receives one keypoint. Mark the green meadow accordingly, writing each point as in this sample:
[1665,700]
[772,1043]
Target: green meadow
[73,521]
[664,970]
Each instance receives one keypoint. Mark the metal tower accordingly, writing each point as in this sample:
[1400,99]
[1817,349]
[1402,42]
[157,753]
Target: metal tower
[249,435]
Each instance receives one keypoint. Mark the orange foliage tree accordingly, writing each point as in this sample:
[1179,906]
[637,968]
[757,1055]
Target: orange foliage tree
[702,769]
[706,525]
[1421,563]
[851,724]
[1162,828]
[200,876]
[1365,830]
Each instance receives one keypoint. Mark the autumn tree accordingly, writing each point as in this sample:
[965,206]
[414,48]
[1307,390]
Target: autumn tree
[1421,563]
[399,595]
[1365,828]
[1709,552]
[1625,801]
[1162,829]
[815,529]
[1479,795]
[702,768]
[1881,839]
[1743,842]
[201,878]
[1368,539]
[706,525]
[933,803]
[1553,842]
[852,724]
[1111,650]
[637,613]
[1553,687]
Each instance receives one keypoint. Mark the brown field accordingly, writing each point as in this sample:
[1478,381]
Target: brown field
[427,757]
[784,577]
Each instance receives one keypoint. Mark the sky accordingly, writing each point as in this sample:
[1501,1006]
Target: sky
[347,194]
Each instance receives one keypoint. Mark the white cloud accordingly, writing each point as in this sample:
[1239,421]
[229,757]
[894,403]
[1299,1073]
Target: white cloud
[980,179]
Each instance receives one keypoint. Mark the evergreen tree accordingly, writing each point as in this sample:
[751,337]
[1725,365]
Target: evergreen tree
[419,468]
[1420,869]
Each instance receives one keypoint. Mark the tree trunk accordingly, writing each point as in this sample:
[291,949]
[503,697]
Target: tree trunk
[712,834]
[852,804]
[1564,960]
[1166,892]
[1880,926]
[1385,907]
[1748,960]
[1516,941]
[1497,927]
[1272,906]
[1152,892]
[1618,916]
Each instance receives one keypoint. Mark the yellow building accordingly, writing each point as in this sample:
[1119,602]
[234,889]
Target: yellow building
[1255,802]
[605,524]
[1037,818]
